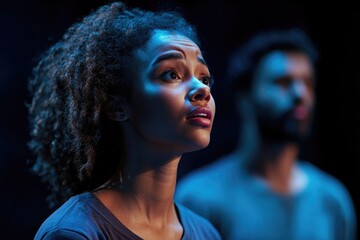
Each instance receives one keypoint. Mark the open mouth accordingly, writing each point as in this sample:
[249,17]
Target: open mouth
[200,116]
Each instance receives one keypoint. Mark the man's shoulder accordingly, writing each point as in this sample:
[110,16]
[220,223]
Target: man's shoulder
[219,168]
[321,178]
[208,178]
[208,187]
[325,184]
[196,226]
[333,196]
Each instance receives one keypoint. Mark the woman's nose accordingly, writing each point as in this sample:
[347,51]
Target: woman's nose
[199,91]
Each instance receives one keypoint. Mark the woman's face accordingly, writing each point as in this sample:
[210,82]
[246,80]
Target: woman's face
[171,104]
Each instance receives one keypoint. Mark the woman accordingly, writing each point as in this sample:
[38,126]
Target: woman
[115,104]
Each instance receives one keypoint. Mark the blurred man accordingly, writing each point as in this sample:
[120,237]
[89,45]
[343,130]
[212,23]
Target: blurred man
[262,190]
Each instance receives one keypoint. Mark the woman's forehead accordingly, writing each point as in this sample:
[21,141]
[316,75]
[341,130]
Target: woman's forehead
[164,40]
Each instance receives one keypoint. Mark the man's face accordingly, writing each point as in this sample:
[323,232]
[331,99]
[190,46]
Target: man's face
[283,94]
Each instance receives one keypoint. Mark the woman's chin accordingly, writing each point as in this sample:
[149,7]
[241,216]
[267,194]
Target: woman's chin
[199,144]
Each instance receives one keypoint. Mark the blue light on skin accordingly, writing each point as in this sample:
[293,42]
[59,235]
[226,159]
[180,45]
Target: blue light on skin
[172,80]
[283,90]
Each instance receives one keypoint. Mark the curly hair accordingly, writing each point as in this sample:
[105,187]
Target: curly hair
[245,59]
[73,143]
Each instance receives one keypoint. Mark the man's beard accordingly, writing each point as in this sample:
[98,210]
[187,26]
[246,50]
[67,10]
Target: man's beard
[283,129]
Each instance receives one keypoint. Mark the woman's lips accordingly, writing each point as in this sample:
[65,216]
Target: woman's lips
[200,116]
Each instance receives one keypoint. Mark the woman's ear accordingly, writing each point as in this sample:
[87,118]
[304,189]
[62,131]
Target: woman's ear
[117,108]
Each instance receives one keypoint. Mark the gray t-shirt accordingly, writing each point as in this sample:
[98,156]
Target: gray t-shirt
[242,206]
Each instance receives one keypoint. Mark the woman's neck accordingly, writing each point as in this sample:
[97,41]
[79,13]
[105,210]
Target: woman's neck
[151,191]
[143,202]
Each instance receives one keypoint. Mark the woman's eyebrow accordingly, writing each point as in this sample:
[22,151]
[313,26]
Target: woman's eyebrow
[167,56]
[201,60]
[175,55]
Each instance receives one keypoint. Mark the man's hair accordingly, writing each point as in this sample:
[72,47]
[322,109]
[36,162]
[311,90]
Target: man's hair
[76,148]
[244,61]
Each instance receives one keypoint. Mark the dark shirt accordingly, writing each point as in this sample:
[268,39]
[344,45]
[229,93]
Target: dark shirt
[85,217]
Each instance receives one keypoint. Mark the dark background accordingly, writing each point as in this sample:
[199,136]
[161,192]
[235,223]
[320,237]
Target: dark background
[27,28]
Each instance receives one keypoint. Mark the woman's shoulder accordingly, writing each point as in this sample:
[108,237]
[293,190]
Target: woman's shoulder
[83,217]
[70,219]
[60,234]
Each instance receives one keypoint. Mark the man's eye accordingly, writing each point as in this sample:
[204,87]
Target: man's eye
[284,82]
[207,80]
[169,75]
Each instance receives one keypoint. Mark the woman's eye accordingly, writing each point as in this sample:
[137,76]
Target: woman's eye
[207,80]
[169,75]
